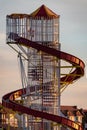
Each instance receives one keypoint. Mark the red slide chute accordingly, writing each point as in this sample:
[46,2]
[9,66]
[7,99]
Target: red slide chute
[8,100]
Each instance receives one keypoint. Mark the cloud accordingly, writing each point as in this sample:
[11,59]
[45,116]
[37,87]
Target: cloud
[2,37]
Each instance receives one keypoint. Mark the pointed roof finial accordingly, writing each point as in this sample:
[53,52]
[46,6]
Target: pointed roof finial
[45,12]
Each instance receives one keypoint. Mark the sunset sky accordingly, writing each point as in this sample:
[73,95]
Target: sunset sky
[73,39]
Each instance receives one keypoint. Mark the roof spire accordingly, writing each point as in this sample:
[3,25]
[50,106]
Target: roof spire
[45,12]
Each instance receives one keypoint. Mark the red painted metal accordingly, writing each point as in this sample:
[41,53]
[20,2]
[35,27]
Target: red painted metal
[9,99]
[79,71]
[9,102]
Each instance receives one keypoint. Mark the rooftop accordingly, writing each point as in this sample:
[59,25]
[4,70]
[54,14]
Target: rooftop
[45,12]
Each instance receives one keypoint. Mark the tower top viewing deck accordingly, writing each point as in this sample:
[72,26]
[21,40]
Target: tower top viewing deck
[42,11]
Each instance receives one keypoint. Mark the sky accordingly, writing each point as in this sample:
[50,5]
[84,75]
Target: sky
[73,39]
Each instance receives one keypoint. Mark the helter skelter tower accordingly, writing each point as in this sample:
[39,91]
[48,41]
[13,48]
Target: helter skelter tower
[35,37]
[43,73]
[43,70]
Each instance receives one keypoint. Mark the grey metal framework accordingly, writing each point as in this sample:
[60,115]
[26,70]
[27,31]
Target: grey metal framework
[42,69]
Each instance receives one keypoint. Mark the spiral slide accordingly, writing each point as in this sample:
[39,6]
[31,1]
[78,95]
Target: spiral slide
[8,100]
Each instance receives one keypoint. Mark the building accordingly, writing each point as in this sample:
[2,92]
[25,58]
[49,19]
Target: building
[8,119]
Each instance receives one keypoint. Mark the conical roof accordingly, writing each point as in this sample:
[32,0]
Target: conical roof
[45,12]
